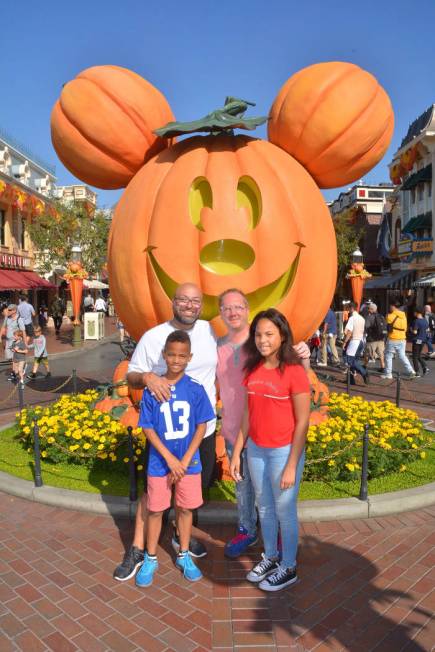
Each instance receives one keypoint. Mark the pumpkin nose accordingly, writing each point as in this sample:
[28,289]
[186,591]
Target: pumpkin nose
[227,257]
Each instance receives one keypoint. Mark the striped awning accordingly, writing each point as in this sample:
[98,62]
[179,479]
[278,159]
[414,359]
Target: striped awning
[425,282]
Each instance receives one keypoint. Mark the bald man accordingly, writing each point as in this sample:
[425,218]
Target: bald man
[145,370]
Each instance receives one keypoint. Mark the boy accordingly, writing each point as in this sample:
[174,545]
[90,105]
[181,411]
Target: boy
[174,430]
[39,347]
[19,350]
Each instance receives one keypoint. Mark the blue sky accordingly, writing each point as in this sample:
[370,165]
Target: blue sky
[199,52]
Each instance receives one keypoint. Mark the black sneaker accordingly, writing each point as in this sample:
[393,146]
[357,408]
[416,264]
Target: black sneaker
[264,568]
[48,374]
[133,559]
[31,376]
[279,579]
[196,548]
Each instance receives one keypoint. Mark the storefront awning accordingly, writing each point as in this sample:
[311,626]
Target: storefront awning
[398,281]
[418,177]
[423,221]
[11,279]
[425,282]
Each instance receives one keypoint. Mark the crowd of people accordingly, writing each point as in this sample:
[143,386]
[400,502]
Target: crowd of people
[21,337]
[371,338]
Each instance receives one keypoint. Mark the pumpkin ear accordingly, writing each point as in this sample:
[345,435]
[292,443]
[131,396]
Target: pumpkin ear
[102,125]
[335,119]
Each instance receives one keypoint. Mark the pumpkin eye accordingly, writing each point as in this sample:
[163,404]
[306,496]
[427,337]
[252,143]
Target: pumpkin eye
[200,195]
[249,196]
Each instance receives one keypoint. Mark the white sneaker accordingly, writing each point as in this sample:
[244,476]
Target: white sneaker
[385,377]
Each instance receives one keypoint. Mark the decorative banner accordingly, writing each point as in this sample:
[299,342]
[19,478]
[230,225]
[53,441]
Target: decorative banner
[76,287]
[422,246]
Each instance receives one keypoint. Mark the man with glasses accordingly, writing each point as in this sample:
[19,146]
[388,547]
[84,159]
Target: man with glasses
[145,369]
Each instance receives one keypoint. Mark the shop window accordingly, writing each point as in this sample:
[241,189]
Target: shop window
[2,227]
[420,191]
[429,189]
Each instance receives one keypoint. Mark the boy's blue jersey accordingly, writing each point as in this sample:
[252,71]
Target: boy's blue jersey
[175,422]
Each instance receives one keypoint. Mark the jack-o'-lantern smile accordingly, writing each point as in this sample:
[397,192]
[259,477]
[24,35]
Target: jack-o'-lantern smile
[267,296]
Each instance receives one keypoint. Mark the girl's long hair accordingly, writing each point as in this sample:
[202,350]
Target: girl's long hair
[286,354]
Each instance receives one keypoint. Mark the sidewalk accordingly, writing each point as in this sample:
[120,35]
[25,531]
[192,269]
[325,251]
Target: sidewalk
[364,585]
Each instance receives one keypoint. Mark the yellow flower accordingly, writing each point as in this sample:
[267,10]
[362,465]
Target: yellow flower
[86,446]
[125,460]
[423,454]
[50,440]
[403,467]
[100,447]
[349,466]
[330,463]
[139,467]
[26,430]
[43,454]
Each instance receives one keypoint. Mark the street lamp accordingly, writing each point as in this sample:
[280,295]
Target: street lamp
[75,275]
[357,276]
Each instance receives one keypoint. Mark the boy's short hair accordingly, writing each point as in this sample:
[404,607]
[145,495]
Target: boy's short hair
[18,332]
[38,328]
[178,336]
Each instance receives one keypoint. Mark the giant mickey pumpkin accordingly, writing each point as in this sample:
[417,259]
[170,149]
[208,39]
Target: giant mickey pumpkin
[229,210]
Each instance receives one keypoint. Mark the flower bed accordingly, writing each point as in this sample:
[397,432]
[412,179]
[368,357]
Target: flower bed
[396,438]
[71,430]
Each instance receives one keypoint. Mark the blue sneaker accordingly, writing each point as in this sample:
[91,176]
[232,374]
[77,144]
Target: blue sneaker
[186,564]
[145,575]
[240,543]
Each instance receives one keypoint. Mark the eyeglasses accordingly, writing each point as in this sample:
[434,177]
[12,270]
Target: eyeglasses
[237,308]
[185,301]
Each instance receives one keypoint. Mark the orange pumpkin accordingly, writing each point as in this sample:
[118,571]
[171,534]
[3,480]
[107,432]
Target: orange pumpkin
[102,126]
[107,403]
[120,377]
[335,119]
[130,417]
[319,399]
[222,211]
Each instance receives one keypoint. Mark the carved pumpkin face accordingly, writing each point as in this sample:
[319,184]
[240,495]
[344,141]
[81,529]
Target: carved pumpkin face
[222,211]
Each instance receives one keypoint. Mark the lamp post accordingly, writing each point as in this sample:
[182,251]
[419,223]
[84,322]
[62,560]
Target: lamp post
[357,276]
[75,276]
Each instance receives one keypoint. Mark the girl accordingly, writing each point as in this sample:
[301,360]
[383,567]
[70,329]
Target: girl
[275,422]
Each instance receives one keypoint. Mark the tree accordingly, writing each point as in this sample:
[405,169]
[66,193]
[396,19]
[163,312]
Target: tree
[348,239]
[55,232]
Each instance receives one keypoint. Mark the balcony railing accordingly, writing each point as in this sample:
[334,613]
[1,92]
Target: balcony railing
[23,149]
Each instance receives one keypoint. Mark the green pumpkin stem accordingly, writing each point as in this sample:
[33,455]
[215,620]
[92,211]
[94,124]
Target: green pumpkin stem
[223,120]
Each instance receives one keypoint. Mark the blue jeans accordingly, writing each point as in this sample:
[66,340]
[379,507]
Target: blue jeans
[277,507]
[399,348]
[429,344]
[245,495]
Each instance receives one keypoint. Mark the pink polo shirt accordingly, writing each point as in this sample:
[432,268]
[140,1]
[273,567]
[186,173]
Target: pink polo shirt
[230,375]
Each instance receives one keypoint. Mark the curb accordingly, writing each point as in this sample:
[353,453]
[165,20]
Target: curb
[308,510]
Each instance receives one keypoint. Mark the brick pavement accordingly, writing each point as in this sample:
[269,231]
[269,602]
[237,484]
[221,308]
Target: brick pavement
[364,585]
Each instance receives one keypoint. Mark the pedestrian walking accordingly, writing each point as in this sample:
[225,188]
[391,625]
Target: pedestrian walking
[88,303]
[275,423]
[11,323]
[42,317]
[375,332]
[419,339]
[328,337]
[57,311]
[19,350]
[39,346]
[100,305]
[430,332]
[174,430]
[397,326]
[353,344]
[27,312]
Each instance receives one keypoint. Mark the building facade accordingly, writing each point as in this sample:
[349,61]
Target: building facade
[28,189]
[406,244]
[363,205]
[26,184]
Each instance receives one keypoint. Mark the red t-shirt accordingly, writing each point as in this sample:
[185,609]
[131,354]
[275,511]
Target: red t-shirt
[271,417]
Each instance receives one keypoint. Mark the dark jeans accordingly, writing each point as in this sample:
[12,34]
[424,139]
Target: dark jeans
[355,365]
[416,357]
[57,322]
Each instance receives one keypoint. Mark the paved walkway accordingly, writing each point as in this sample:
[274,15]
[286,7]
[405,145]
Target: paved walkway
[364,585]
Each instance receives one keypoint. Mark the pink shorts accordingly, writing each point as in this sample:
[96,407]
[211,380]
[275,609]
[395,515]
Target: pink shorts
[188,492]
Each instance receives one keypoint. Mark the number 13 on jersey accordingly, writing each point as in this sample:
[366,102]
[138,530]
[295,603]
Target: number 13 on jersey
[182,410]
